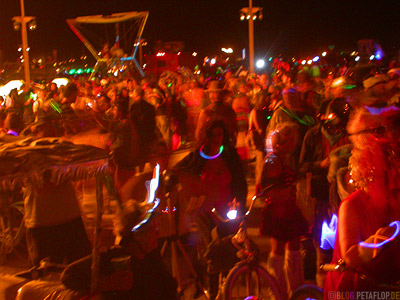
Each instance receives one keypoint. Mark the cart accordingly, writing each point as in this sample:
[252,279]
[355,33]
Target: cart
[27,160]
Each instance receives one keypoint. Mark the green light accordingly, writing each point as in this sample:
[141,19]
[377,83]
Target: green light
[269,117]
[72,72]
[270,58]
[79,71]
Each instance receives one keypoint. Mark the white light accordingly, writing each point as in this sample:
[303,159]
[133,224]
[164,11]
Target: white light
[242,17]
[324,53]
[227,50]
[254,17]
[309,62]
[315,59]
[13,84]
[303,62]
[248,17]
[357,58]
[194,54]
[232,214]
[213,61]
[260,63]
[371,57]
[60,81]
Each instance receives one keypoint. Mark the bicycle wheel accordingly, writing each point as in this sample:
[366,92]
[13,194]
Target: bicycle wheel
[307,292]
[246,280]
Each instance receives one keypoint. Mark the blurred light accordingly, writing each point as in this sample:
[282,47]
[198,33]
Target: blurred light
[371,57]
[248,17]
[19,49]
[270,58]
[353,53]
[232,214]
[324,53]
[16,26]
[260,64]
[254,17]
[13,84]
[32,25]
[227,50]
[242,17]
[309,62]
[378,54]
[315,59]
[179,53]
[60,81]
[213,61]
[303,62]
[194,54]
[160,54]
[357,58]
[337,82]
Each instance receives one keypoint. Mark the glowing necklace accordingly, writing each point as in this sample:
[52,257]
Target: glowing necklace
[205,156]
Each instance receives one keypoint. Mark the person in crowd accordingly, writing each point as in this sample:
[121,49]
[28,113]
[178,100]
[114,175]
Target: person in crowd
[212,170]
[217,110]
[54,226]
[258,122]
[124,144]
[314,164]
[308,94]
[291,110]
[194,98]
[281,219]
[52,216]
[241,107]
[365,216]
[142,114]
[163,121]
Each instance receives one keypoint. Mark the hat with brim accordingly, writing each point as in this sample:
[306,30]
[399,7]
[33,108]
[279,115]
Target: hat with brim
[370,82]
[213,86]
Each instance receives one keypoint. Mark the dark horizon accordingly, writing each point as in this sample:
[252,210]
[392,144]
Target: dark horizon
[289,27]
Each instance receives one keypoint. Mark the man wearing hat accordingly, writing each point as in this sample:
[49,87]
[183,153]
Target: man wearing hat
[378,90]
[217,110]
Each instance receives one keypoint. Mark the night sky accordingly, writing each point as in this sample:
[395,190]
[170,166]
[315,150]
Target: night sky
[290,27]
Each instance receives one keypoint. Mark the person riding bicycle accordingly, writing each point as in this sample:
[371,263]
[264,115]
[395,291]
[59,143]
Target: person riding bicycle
[365,216]
[213,170]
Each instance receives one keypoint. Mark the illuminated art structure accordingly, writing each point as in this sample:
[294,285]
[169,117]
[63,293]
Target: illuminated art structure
[119,31]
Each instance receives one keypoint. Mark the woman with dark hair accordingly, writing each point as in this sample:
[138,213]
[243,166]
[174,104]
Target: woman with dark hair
[211,177]
[216,163]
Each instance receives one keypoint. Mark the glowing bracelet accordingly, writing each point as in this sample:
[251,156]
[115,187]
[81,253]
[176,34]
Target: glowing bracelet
[203,155]
[395,234]
[12,132]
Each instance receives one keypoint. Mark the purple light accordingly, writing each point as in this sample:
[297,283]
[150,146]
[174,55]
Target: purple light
[378,245]
[328,233]
[378,54]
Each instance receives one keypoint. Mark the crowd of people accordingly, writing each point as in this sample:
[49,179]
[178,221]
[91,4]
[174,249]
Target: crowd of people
[293,132]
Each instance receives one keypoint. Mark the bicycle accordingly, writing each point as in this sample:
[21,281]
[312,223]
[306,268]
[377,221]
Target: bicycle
[12,226]
[247,278]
